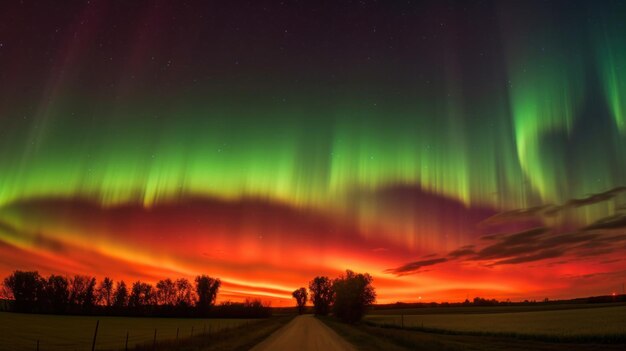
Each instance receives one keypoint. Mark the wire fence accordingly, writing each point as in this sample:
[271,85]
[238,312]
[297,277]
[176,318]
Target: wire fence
[106,333]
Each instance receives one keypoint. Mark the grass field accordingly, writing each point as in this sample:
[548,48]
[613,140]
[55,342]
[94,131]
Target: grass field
[579,327]
[599,322]
[490,309]
[21,331]
[370,338]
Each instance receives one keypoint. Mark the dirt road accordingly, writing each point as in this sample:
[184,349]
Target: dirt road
[304,333]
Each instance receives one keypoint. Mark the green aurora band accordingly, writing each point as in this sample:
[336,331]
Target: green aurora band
[314,146]
[268,142]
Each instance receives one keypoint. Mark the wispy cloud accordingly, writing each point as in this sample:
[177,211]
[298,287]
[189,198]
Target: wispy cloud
[414,267]
[533,245]
[548,210]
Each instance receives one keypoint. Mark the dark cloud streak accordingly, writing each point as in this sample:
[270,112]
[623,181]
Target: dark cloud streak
[414,267]
[533,245]
[543,211]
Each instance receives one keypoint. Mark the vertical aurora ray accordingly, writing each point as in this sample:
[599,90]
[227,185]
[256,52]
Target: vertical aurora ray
[541,106]
[608,35]
[310,147]
[546,84]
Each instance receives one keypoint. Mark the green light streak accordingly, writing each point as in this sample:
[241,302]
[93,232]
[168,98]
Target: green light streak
[611,58]
[546,88]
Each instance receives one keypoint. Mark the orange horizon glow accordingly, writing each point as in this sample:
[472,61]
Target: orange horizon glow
[261,250]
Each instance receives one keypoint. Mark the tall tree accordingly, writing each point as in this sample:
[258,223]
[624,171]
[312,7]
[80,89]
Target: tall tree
[301,296]
[134,298]
[105,292]
[90,294]
[120,298]
[206,289]
[82,291]
[57,292]
[353,293]
[26,288]
[142,294]
[184,293]
[166,292]
[321,294]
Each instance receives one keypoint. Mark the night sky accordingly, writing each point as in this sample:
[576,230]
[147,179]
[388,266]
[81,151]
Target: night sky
[450,149]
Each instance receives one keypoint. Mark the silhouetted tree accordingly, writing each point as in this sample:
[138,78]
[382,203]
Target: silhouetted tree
[142,294]
[79,295]
[82,291]
[57,293]
[301,296]
[479,301]
[135,299]
[256,308]
[184,293]
[353,293]
[206,290]
[26,288]
[166,292]
[120,298]
[105,292]
[90,295]
[321,295]
[250,308]
[150,295]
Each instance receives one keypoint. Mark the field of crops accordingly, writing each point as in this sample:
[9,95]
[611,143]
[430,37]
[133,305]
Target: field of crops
[22,331]
[602,321]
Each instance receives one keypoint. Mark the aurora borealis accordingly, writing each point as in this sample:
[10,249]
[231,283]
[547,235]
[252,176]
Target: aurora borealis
[264,143]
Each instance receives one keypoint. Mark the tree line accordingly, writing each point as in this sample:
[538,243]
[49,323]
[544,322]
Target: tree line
[347,296]
[82,294]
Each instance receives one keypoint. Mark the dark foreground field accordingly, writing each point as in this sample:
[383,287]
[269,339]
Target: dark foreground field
[23,332]
[596,322]
[576,327]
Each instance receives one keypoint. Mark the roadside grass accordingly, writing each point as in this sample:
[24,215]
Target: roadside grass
[360,338]
[368,336]
[21,331]
[240,338]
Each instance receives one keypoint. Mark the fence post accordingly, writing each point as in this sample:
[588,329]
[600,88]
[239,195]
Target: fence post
[37,345]
[177,336]
[126,344]
[95,334]
[154,340]
[192,331]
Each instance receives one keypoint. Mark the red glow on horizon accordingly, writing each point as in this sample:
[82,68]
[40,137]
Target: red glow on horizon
[268,254]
